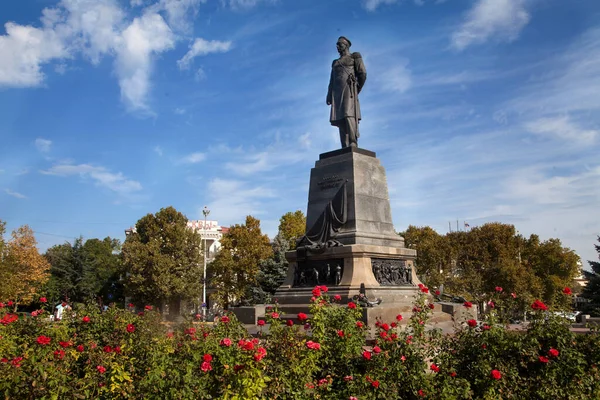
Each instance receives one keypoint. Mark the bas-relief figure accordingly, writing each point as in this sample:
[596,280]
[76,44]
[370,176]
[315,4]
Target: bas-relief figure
[348,75]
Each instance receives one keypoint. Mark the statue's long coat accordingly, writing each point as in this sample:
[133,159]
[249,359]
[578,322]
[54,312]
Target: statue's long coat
[343,92]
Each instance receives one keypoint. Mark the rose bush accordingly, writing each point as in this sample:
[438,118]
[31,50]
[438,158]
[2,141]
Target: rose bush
[330,354]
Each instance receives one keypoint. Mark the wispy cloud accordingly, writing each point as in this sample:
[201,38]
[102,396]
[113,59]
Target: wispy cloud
[371,5]
[15,194]
[495,20]
[116,182]
[158,150]
[43,145]
[202,47]
[562,127]
[245,4]
[193,158]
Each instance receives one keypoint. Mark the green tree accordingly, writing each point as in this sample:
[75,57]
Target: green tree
[433,254]
[82,271]
[23,271]
[592,289]
[236,266]
[292,226]
[162,260]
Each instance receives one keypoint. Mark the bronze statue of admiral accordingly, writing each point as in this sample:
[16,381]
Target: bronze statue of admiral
[348,75]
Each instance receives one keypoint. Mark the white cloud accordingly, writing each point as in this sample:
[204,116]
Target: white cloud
[180,13]
[497,20]
[158,150]
[371,5]
[145,37]
[200,75]
[562,128]
[179,111]
[244,4]
[202,47]
[15,194]
[116,182]
[236,199]
[193,158]
[23,51]
[43,145]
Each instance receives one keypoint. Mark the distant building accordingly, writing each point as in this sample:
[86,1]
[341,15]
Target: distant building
[212,232]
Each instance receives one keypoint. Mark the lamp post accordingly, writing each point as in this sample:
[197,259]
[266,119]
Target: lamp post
[205,211]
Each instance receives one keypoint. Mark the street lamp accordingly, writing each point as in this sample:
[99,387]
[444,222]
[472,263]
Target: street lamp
[205,211]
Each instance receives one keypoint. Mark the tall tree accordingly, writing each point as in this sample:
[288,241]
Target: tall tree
[235,268]
[83,271]
[162,260]
[23,271]
[592,289]
[292,226]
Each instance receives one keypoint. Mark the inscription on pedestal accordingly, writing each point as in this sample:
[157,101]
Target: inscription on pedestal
[389,272]
[324,272]
[329,182]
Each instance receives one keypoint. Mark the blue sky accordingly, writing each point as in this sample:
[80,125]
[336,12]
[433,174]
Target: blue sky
[480,110]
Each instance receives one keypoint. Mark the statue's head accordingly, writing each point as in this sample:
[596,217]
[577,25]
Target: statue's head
[342,44]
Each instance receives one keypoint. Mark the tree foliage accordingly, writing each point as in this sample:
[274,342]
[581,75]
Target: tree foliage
[592,289]
[473,263]
[236,267]
[292,226]
[23,271]
[83,271]
[162,260]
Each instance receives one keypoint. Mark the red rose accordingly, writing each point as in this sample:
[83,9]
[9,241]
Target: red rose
[376,350]
[260,354]
[495,374]
[538,305]
[248,346]
[316,292]
[205,366]
[43,340]
[43,300]
[9,303]
[486,327]
[340,333]
[359,324]
[375,384]
[302,317]
[383,334]
[453,374]
[226,342]
[190,331]
[306,326]
[553,352]
[385,327]
[80,348]
[337,297]
[117,349]
[313,345]
[491,304]
[498,289]
[130,328]
[437,292]
[1,305]
[567,291]
[366,355]
[64,344]
[348,378]
[421,393]
[274,315]
[472,323]
[514,296]
[289,322]
[434,368]
[207,358]
[543,360]
[468,304]
[101,369]
[261,322]
[16,362]
[238,367]
[398,317]
[86,319]
[59,354]
[323,288]
[225,319]
[425,289]
[431,306]
[352,305]
[148,308]
[130,305]
[107,349]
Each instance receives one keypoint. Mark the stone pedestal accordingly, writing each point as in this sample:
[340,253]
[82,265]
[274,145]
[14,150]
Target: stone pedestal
[371,252]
